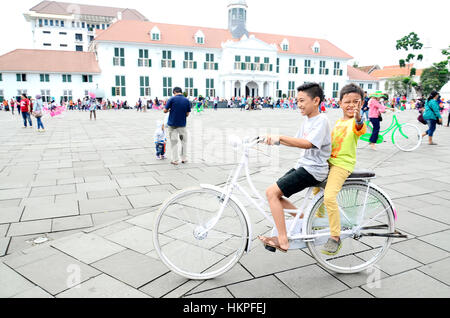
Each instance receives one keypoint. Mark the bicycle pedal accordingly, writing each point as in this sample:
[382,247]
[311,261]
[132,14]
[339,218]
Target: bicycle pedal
[271,249]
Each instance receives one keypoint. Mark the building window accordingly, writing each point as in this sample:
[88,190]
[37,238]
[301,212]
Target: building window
[79,37]
[316,50]
[45,93]
[20,92]
[2,96]
[67,78]
[86,78]
[79,48]
[47,44]
[167,60]
[167,86]
[370,86]
[40,22]
[21,77]
[292,68]
[279,92]
[91,38]
[337,70]
[67,95]
[119,57]
[1,77]
[361,85]
[143,59]
[189,87]
[51,22]
[210,91]
[291,89]
[155,37]
[335,90]
[145,86]
[209,64]
[267,67]
[189,61]
[120,88]
[278,65]
[83,25]
[45,78]
[322,84]
[308,68]
[238,65]
[62,23]
[103,27]
[200,40]
[45,22]
[323,70]
[57,23]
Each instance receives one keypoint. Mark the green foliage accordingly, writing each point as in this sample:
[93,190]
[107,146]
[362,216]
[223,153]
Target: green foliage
[397,85]
[402,63]
[410,41]
[435,77]
[413,72]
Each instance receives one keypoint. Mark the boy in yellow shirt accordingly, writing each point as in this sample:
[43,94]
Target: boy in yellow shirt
[345,137]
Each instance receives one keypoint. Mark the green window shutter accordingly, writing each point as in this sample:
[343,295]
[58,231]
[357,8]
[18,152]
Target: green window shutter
[216,66]
[212,57]
[164,55]
[207,83]
[113,93]
[169,55]
[147,81]
[90,78]
[122,62]
[70,78]
[124,91]
[191,82]
[186,82]
[64,78]
[195,65]
[191,56]
[261,67]
[185,56]
[142,91]
[47,77]
[141,55]
[212,83]
[312,71]
[173,64]
[195,92]
[116,51]
[146,54]
[207,57]
[170,81]
[141,81]
[42,77]
[204,65]
[164,81]
[149,63]
[122,52]
[123,81]
[242,66]
[271,67]
[117,80]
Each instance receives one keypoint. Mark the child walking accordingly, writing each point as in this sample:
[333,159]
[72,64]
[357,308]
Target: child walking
[312,169]
[160,140]
[344,138]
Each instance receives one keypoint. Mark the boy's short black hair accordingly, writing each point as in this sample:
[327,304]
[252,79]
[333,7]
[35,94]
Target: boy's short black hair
[313,90]
[351,88]
[177,90]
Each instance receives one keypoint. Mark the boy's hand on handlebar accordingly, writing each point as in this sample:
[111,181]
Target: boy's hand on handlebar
[271,140]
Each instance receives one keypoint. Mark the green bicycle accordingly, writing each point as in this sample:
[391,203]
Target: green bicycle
[406,137]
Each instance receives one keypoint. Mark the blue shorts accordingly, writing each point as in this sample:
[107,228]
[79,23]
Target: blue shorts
[431,127]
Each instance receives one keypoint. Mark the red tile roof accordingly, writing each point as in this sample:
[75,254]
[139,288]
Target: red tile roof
[22,60]
[64,8]
[181,35]
[357,75]
[394,71]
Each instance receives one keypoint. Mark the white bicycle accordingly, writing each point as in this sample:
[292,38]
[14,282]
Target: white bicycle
[201,233]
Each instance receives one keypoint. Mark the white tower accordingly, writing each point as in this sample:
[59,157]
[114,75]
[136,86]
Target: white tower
[237,18]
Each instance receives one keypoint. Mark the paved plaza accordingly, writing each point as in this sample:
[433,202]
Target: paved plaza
[79,201]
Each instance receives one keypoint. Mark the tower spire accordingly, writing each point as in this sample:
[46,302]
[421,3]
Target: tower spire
[237,18]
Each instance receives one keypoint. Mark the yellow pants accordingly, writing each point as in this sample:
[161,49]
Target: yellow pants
[336,180]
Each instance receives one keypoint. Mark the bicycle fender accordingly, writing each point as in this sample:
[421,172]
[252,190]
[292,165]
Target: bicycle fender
[240,206]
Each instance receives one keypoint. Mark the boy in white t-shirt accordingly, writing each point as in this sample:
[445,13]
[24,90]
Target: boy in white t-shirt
[311,170]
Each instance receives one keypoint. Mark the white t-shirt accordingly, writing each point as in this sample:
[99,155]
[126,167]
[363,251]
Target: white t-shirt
[318,132]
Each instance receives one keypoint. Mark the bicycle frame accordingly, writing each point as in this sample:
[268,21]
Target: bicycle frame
[395,124]
[305,209]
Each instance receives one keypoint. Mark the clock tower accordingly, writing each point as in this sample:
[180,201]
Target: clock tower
[237,18]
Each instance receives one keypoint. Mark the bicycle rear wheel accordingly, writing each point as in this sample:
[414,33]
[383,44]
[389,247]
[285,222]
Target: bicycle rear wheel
[184,245]
[359,251]
[407,137]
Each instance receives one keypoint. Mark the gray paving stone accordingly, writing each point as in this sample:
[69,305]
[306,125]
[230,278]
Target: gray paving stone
[261,288]
[12,283]
[102,286]
[108,217]
[3,229]
[137,182]
[135,238]
[52,190]
[29,228]
[65,272]
[307,282]
[132,268]
[164,285]
[10,215]
[4,242]
[35,292]
[394,262]
[14,193]
[440,239]
[29,256]
[438,270]
[132,191]
[220,293]
[97,186]
[149,199]
[104,205]
[102,194]
[145,221]
[420,251]
[411,284]
[71,223]
[351,293]
[260,262]
[435,212]
[418,225]
[111,229]
[9,203]
[88,248]
[50,211]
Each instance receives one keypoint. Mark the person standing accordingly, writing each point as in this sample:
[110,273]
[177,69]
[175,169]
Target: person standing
[365,109]
[375,111]
[25,109]
[179,108]
[93,109]
[12,104]
[38,112]
[432,115]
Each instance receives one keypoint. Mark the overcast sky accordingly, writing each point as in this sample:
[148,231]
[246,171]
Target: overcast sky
[367,30]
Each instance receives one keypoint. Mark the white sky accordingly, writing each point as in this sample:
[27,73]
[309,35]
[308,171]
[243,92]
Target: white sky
[367,30]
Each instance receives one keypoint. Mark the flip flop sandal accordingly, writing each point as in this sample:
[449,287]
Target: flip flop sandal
[273,248]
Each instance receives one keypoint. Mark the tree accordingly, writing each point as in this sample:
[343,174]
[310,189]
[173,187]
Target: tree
[435,77]
[406,43]
[397,85]
[355,64]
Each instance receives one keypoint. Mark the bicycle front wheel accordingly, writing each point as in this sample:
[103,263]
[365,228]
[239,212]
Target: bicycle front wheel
[407,137]
[182,239]
[359,251]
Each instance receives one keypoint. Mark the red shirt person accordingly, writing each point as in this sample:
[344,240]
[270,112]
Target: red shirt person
[25,108]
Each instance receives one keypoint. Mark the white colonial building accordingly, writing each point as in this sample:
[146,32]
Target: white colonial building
[134,58]
[68,26]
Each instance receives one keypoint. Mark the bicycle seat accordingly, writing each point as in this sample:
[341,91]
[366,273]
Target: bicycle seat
[362,174]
